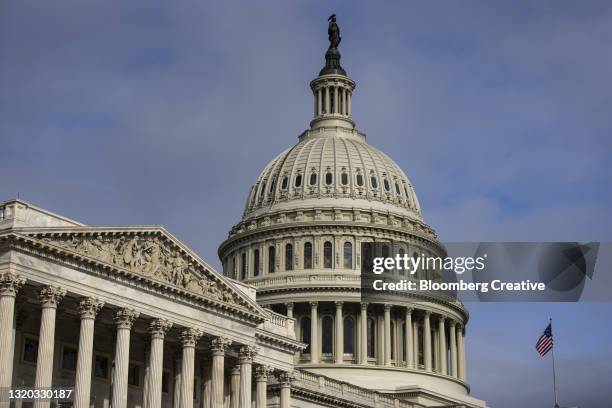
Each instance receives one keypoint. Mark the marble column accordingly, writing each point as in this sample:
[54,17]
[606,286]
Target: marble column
[415,342]
[443,353]
[49,297]
[319,101]
[88,309]
[285,379]
[246,355]
[408,337]
[218,347]
[363,316]
[261,385]
[453,348]
[336,100]
[235,387]
[327,100]
[339,349]
[349,104]
[206,373]
[189,338]
[124,319]
[314,333]
[176,396]
[289,306]
[387,335]
[158,329]
[10,284]
[461,355]
[427,340]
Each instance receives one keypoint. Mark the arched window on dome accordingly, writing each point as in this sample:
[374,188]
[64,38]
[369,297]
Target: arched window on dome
[271,259]
[349,335]
[272,185]
[313,179]
[285,183]
[298,181]
[305,333]
[327,254]
[359,179]
[348,255]
[344,179]
[256,262]
[371,346]
[386,184]
[374,182]
[262,192]
[308,255]
[397,189]
[401,253]
[406,191]
[289,257]
[327,336]
[243,266]
[329,178]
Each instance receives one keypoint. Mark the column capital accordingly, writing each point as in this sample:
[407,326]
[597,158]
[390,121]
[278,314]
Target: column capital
[50,296]
[314,303]
[219,345]
[158,328]
[409,310]
[441,318]
[364,305]
[289,305]
[190,336]
[427,313]
[89,307]
[459,325]
[285,378]
[262,372]
[10,283]
[339,304]
[235,369]
[388,307]
[124,318]
[247,353]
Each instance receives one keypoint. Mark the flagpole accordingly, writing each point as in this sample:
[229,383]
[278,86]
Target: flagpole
[554,371]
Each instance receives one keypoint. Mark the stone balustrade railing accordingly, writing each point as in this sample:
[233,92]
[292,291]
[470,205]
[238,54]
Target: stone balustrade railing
[280,324]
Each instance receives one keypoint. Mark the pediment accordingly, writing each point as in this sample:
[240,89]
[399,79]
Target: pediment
[153,255]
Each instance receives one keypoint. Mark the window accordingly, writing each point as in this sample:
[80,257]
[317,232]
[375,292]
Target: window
[285,183]
[307,255]
[371,338]
[327,254]
[165,383]
[327,335]
[272,185]
[344,179]
[313,179]
[404,343]
[349,335]
[298,181]
[262,192]
[69,358]
[406,192]
[134,375]
[373,182]
[243,266]
[101,367]
[421,341]
[329,178]
[256,262]
[289,257]
[401,253]
[397,189]
[271,259]
[305,330]
[386,184]
[385,251]
[348,255]
[30,350]
[393,341]
[359,180]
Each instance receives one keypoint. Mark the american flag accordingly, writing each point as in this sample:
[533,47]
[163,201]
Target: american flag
[545,343]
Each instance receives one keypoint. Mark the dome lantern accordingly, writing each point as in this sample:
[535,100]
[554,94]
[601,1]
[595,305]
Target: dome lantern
[332,89]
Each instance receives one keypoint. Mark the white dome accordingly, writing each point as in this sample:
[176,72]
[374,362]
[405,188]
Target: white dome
[332,167]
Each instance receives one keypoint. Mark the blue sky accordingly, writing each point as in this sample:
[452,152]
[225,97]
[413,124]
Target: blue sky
[165,112]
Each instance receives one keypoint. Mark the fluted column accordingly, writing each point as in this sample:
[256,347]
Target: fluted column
[427,340]
[314,333]
[339,349]
[49,297]
[348,103]
[387,336]
[453,348]
[235,387]
[408,339]
[124,319]
[218,347]
[261,386]
[327,100]
[289,306]
[206,372]
[88,309]
[415,342]
[285,379]
[336,100]
[176,396]
[363,353]
[189,338]
[461,356]
[10,284]
[442,340]
[319,102]
[247,353]
[158,329]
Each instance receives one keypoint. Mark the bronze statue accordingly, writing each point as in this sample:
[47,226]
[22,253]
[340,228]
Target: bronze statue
[333,32]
